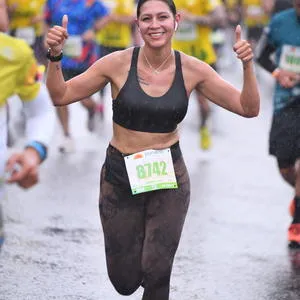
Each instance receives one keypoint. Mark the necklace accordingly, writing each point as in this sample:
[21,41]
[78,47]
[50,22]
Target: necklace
[157,70]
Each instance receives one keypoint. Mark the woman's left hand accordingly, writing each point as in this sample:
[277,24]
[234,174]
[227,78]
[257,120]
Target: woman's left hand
[242,47]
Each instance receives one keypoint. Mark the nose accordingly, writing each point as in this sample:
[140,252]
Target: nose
[155,23]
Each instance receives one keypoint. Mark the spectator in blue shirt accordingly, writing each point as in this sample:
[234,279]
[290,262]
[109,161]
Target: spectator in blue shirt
[80,50]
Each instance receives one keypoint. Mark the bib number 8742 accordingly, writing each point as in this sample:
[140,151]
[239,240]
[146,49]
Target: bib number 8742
[155,168]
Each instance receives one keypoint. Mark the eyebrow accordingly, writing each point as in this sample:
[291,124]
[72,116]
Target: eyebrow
[150,14]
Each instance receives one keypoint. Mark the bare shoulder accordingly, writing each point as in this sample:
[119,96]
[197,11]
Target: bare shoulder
[194,70]
[115,62]
[192,64]
[122,56]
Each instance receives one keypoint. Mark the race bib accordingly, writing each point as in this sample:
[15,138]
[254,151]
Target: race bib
[290,58]
[73,46]
[187,31]
[254,11]
[150,170]
[27,34]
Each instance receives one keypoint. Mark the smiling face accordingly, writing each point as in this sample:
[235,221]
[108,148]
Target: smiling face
[156,23]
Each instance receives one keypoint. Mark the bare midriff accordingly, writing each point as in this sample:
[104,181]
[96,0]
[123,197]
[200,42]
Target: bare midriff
[130,141]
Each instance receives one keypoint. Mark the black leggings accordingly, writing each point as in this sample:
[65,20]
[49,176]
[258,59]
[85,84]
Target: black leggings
[141,232]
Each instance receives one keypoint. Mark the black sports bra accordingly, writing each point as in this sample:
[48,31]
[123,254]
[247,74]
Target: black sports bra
[135,110]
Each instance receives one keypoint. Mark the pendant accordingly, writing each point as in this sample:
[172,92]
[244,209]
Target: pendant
[156,72]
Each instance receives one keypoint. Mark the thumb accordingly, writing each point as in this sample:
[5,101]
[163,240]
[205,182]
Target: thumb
[238,33]
[65,22]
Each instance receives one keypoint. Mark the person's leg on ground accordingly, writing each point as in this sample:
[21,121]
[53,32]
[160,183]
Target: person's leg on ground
[100,105]
[205,136]
[90,106]
[103,50]
[294,229]
[123,223]
[287,171]
[67,144]
[284,144]
[165,215]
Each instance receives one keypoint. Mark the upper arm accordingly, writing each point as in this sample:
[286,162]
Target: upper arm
[89,82]
[265,46]
[219,91]
[40,117]
[271,31]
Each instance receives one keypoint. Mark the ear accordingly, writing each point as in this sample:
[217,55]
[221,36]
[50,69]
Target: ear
[137,24]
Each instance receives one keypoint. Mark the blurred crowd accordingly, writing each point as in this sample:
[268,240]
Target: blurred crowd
[109,25]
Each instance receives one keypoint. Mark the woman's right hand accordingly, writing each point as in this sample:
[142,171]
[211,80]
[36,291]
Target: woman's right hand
[56,37]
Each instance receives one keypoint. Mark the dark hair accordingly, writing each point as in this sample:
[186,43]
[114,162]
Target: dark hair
[170,3]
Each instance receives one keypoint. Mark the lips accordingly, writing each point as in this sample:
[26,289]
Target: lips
[156,34]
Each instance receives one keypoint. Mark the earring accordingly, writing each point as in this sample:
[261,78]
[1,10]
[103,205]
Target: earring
[176,26]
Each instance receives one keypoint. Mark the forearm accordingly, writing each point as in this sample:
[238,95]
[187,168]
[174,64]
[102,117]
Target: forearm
[250,99]
[37,19]
[102,22]
[263,53]
[40,122]
[127,19]
[123,19]
[40,118]
[207,21]
[216,19]
[55,83]
[264,61]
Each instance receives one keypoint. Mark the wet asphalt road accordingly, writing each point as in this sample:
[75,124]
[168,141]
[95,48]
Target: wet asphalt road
[233,245]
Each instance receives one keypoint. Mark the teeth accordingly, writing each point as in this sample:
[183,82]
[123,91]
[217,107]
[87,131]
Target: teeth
[156,34]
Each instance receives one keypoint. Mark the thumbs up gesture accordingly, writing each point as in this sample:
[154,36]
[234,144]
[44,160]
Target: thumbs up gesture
[242,47]
[56,37]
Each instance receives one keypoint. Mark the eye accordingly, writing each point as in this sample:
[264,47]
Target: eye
[145,19]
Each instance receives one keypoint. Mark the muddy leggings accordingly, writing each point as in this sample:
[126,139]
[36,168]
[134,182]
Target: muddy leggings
[141,232]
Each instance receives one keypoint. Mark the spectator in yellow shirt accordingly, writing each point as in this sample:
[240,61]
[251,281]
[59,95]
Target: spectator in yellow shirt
[27,22]
[19,76]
